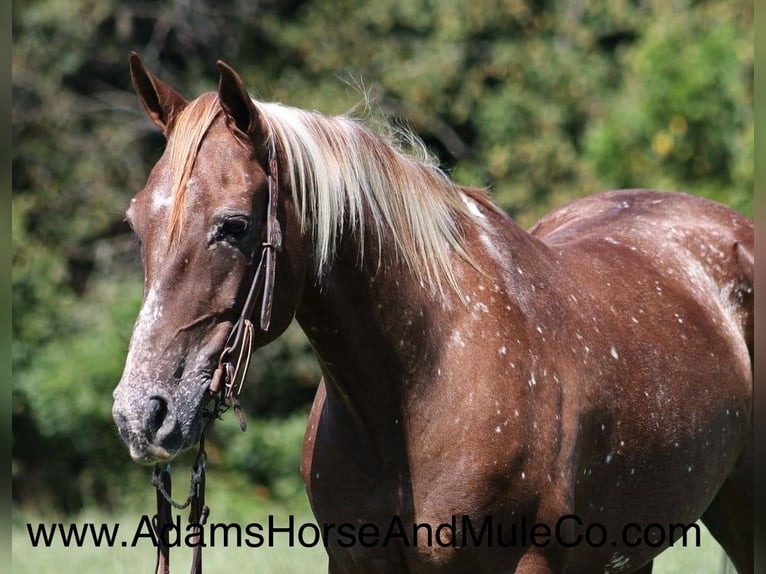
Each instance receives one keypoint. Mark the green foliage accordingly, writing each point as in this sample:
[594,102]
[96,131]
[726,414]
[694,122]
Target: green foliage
[541,100]
[37,275]
[82,367]
[700,66]
[62,401]
[268,454]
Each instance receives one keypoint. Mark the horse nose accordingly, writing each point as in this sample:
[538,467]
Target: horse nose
[155,414]
[149,427]
[122,422]
[160,422]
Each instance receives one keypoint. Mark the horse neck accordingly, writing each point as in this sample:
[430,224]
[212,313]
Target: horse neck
[372,328]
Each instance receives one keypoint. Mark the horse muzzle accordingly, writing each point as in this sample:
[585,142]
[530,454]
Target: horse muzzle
[152,427]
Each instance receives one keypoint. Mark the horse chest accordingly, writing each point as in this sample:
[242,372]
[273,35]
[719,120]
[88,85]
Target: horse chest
[426,473]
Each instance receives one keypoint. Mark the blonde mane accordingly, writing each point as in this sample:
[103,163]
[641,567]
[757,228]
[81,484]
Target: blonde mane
[343,176]
[183,145]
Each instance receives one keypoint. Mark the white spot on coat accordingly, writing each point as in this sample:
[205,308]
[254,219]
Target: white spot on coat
[472,207]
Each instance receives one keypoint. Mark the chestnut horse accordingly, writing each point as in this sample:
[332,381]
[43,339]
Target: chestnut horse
[492,399]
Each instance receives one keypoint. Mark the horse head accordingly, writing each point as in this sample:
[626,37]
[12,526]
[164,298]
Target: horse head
[202,223]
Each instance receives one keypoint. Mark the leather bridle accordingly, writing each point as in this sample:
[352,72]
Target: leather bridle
[223,389]
[241,335]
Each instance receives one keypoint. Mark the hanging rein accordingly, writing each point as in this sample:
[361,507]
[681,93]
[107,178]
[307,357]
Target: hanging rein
[225,392]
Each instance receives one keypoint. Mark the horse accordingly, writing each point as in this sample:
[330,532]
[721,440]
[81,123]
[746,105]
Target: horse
[492,399]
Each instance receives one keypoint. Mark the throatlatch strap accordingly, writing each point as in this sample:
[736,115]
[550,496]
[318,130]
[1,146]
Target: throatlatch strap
[272,245]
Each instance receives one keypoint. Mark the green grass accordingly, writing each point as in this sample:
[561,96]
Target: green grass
[281,559]
[709,557]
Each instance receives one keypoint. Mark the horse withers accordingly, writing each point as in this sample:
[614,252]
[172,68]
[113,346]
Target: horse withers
[492,399]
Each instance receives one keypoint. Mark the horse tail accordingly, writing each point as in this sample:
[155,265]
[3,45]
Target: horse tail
[743,293]
[731,525]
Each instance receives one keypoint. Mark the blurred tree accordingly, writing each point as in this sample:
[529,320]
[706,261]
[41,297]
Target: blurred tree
[541,100]
[690,126]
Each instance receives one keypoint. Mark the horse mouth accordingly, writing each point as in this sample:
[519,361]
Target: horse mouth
[151,455]
[145,452]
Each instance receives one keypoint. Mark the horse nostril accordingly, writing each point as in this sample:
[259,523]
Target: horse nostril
[155,414]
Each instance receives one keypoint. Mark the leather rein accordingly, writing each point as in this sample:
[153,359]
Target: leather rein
[225,391]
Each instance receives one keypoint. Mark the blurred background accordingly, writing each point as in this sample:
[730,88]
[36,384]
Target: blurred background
[542,101]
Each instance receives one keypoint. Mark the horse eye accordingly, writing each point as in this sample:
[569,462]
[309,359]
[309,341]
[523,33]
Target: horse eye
[236,225]
[233,227]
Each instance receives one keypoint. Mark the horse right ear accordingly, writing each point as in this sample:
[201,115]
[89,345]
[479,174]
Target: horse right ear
[236,102]
[161,102]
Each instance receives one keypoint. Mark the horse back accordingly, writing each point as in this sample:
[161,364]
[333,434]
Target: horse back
[705,245]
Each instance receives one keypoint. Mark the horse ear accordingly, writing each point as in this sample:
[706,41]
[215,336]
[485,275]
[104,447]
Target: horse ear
[161,102]
[236,102]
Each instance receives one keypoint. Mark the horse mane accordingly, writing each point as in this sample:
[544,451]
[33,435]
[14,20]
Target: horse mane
[344,176]
[183,145]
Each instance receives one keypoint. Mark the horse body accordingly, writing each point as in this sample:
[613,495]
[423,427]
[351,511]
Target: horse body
[561,388]
[488,394]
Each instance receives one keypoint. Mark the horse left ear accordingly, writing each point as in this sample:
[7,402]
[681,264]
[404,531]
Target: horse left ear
[236,102]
